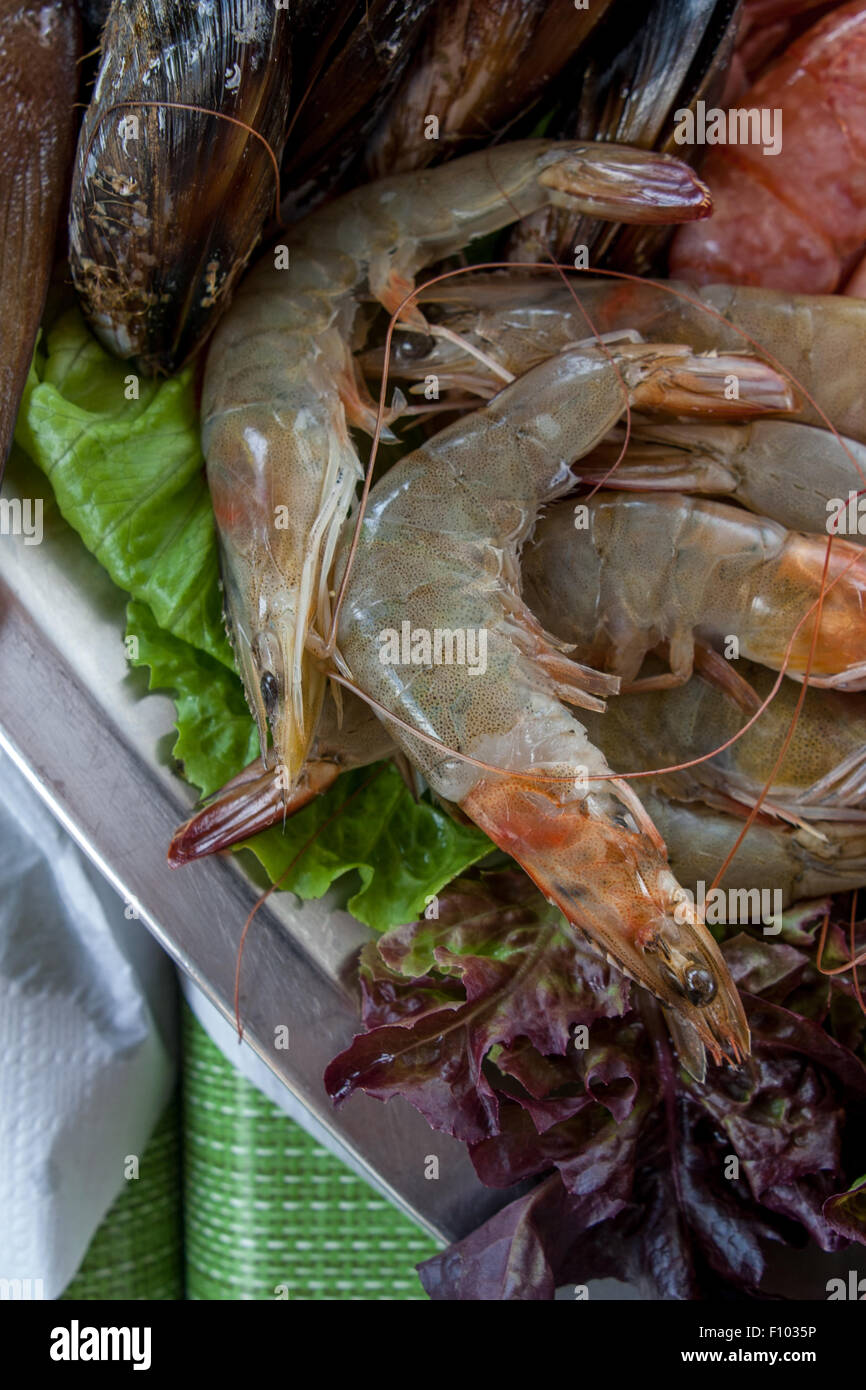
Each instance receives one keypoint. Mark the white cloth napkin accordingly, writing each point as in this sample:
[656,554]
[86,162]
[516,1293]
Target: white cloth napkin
[87,1040]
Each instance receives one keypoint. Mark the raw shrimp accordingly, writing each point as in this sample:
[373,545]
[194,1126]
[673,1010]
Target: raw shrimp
[652,568]
[795,219]
[348,737]
[517,321]
[279,387]
[822,775]
[436,562]
[802,477]
[799,863]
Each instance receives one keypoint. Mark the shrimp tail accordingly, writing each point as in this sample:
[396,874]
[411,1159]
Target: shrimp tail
[349,735]
[727,385]
[623,184]
[252,801]
[611,884]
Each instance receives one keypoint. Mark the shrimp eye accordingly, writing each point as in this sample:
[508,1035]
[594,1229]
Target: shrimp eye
[413,346]
[270,688]
[700,985]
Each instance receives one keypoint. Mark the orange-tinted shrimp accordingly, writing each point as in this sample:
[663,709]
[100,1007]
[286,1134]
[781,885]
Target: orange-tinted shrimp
[642,569]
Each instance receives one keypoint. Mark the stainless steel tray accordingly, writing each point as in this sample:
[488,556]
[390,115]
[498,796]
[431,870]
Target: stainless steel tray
[82,727]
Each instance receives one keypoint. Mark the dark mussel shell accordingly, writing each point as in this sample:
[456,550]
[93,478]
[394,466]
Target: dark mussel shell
[627,90]
[39,49]
[94,13]
[481,65]
[346,73]
[167,204]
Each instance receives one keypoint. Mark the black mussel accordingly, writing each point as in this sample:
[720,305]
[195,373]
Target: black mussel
[347,70]
[626,85]
[480,66]
[169,203]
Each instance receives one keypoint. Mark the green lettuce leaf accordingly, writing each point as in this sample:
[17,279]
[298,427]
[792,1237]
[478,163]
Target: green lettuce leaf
[404,850]
[846,1211]
[128,476]
[216,736]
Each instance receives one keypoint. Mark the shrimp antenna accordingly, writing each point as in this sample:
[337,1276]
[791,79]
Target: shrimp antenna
[855,959]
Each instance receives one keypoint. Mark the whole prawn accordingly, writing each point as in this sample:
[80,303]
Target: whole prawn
[650,568]
[280,389]
[828,857]
[822,775]
[794,220]
[437,552]
[516,321]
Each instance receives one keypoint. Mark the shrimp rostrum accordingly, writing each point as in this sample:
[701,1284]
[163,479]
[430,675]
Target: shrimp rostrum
[280,390]
[438,554]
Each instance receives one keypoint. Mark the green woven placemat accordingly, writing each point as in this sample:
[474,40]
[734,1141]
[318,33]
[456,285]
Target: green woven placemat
[137,1252]
[269,1212]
